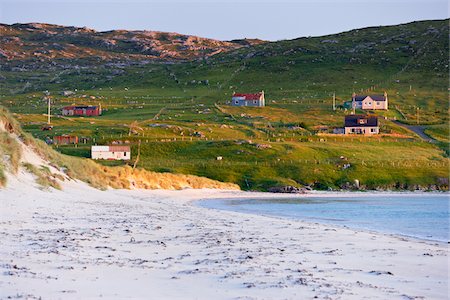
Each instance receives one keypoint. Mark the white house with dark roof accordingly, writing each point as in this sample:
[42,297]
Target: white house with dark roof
[361,124]
[370,102]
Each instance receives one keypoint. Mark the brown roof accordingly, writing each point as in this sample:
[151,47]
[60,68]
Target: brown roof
[115,148]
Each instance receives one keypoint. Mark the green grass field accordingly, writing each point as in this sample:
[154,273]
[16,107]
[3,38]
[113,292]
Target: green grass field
[185,121]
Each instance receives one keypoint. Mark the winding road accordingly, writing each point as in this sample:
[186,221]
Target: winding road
[417,129]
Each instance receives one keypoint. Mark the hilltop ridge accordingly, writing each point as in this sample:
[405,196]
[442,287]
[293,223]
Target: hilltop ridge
[40,41]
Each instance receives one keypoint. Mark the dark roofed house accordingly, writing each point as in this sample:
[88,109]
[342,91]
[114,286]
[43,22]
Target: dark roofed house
[361,124]
[370,102]
[256,99]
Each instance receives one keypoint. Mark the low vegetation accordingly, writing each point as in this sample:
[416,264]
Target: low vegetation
[44,177]
[185,123]
[87,170]
[9,148]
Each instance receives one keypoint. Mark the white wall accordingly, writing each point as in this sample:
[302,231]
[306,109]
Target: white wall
[102,152]
[362,130]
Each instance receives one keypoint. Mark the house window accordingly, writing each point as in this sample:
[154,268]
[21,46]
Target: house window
[362,121]
[372,130]
[236,102]
[254,101]
[124,154]
[378,103]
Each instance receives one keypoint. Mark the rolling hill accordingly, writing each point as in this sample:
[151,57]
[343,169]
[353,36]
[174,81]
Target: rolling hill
[180,101]
[45,42]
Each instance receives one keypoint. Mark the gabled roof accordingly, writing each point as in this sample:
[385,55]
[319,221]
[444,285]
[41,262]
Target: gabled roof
[88,107]
[255,96]
[355,121]
[113,148]
[374,97]
[116,148]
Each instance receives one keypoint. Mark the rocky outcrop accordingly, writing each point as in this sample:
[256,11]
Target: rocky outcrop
[47,41]
[288,189]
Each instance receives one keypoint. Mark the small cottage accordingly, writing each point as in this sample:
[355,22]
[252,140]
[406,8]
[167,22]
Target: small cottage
[114,152]
[361,124]
[256,100]
[65,139]
[83,110]
[370,102]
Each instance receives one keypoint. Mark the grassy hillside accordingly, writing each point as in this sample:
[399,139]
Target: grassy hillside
[14,141]
[186,122]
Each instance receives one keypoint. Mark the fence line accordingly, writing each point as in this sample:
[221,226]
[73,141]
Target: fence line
[344,165]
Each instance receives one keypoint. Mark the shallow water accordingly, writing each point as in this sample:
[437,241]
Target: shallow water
[424,216]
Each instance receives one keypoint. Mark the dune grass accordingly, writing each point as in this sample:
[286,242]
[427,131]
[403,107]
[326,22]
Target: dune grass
[86,170]
[44,177]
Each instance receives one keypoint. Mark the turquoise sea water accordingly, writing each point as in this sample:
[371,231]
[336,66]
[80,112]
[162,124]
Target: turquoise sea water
[423,215]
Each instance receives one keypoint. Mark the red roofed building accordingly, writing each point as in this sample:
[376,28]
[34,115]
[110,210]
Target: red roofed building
[65,139]
[248,99]
[82,110]
[112,152]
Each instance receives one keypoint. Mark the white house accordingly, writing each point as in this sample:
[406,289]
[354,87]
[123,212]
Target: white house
[111,152]
[256,99]
[361,124]
[370,102]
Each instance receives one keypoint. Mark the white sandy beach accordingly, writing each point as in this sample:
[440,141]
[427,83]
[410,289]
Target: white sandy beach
[82,243]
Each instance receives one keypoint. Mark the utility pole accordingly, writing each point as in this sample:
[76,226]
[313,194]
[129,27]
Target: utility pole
[48,111]
[138,156]
[334,101]
[353,103]
[418,120]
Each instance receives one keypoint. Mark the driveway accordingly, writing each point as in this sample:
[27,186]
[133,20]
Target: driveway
[417,129]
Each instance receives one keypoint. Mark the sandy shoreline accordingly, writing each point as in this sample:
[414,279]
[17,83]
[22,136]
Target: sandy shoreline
[83,243]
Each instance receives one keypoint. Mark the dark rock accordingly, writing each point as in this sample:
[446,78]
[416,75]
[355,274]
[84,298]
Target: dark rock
[288,189]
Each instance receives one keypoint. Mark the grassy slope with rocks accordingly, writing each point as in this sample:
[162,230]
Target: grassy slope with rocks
[186,123]
[44,42]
